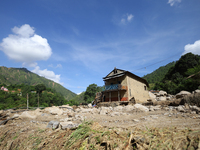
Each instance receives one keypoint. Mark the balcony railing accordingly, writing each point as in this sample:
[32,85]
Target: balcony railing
[115,87]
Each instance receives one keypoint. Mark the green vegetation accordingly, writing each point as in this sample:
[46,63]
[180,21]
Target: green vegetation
[159,74]
[77,99]
[91,90]
[175,77]
[17,76]
[17,96]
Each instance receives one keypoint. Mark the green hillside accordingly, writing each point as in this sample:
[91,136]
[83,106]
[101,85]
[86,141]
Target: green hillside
[159,74]
[13,76]
[183,75]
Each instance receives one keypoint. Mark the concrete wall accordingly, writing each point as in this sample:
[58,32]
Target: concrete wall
[137,89]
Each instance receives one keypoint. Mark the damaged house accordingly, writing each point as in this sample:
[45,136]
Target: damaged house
[121,85]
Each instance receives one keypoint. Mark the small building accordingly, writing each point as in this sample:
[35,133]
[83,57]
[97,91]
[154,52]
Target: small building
[121,85]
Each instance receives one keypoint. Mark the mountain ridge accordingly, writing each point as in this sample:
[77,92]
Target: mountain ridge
[24,76]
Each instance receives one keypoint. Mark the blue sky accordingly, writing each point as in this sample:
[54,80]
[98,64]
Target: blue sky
[78,42]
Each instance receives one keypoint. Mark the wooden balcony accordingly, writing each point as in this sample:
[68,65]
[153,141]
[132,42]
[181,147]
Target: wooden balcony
[115,87]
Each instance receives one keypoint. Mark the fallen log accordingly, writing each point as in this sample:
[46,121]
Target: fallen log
[5,121]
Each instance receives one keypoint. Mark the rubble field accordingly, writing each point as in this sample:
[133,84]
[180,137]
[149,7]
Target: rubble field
[86,127]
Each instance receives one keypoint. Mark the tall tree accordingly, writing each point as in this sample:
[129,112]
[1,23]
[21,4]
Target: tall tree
[91,90]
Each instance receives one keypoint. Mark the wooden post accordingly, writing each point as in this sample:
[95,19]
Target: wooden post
[118,96]
[38,100]
[109,96]
[27,100]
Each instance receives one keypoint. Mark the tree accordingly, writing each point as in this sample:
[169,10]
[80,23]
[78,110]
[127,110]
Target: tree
[91,90]
[39,88]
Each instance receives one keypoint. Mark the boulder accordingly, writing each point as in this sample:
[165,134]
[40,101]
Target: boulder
[151,95]
[54,110]
[197,91]
[141,107]
[68,125]
[162,93]
[182,93]
[162,98]
[30,114]
[181,108]
[53,124]
[90,105]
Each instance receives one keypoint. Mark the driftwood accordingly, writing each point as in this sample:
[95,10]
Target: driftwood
[3,117]
[5,121]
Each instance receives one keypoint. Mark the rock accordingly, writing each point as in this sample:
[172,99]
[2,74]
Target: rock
[95,111]
[181,94]
[115,114]
[162,98]
[197,91]
[103,112]
[53,124]
[118,108]
[68,125]
[1,111]
[136,120]
[79,117]
[141,107]
[30,114]
[54,110]
[162,93]
[16,115]
[128,108]
[66,119]
[86,110]
[195,108]
[151,95]
[71,114]
[180,108]
[90,105]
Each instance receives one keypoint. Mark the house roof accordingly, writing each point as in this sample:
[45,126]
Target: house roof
[115,73]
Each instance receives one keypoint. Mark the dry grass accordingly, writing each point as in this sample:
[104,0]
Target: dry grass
[91,135]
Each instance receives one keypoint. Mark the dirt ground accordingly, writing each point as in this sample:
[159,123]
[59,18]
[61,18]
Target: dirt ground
[136,130]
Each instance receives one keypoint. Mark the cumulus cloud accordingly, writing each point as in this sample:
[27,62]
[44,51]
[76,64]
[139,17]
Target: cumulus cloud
[47,74]
[172,2]
[193,48]
[127,18]
[25,46]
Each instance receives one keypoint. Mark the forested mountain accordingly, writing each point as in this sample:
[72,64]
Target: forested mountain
[181,75]
[159,74]
[11,76]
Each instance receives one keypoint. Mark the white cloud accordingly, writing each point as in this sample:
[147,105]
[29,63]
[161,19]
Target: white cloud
[26,46]
[57,66]
[129,17]
[47,74]
[172,2]
[193,48]
[126,18]
[79,93]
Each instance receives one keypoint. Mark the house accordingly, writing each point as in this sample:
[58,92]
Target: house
[4,89]
[121,85]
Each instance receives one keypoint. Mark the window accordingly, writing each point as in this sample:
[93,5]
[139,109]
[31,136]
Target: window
[145,88]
